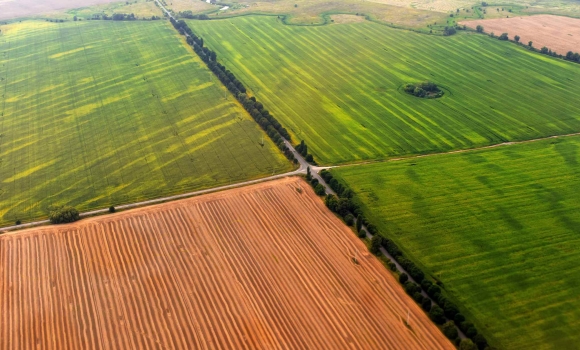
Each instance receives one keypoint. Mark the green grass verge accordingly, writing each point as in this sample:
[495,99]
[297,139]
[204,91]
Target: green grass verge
[499,227]
[338,86]
[99,113]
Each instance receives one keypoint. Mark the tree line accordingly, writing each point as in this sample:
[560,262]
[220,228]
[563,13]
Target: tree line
[570,56]
[347,206]
[256,109]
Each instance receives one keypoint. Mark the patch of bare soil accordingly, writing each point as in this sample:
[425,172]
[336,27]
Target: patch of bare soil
[23,8]
[340,19]
[260,267]
[558,33]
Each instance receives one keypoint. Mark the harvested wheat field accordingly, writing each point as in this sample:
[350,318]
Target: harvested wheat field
[558,33]
[265,266]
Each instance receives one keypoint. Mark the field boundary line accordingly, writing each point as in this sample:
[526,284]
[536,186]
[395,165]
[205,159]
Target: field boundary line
[466,150]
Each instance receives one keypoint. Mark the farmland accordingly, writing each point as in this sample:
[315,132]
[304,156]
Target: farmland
[499,227]
[338,86]
[98,113]
[560,34]
[260,267]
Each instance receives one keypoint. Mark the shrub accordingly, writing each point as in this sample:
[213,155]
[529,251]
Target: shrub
[18,222]
[425,284]
[503,36]
[375,245]
[467,344]
[418,297]
[449,330]
[450,310]
[480,341]
[349,219]
[479,29]
[112,209]
[426,304]
[314,182]
[465,325]
[392,266]
[471,332]
[403,278]
[459,318]
[434,289]
[320,190]
[362,234]
[359,222]
[63,214]
[436,314]
[411,288]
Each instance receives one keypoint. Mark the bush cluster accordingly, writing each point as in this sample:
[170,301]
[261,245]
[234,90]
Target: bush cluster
[256,109]
[302,148]
[426,89]
[63,214]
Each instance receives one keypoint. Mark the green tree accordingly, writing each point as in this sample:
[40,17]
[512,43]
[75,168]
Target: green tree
[480,341]
[403,278]
[530,43]
[63,214]
[359,221]
[436,314]
[503,36]
[375,247]
[450,330]
[319,189]
[517,38]
[479,29]
[349,219]
[467,344]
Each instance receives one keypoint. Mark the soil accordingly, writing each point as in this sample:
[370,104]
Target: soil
[23,8]
[558,33]
[259,267]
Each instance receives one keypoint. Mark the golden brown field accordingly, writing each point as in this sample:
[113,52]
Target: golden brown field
[265,266]
[560,34]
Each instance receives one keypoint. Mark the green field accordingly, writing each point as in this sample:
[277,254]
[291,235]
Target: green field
[99,113]
[338,86]
[499,227]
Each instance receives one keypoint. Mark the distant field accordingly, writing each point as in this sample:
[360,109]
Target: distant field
[97,113]
[25,8]
[260,267]
[339,86]
[560,34]
[499,227]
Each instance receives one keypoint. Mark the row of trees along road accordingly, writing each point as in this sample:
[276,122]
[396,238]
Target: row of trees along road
[256,109]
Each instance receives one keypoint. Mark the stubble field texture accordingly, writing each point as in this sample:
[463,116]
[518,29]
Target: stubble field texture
[98,113]
[560,34]
[260,267]
[499,227]
[339,86]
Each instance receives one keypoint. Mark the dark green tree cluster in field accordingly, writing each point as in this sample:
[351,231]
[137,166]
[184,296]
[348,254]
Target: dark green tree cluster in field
[426,89]
[256,109]
[63,214]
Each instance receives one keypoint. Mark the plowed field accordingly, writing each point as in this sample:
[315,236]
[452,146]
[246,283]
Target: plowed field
[558,33]
[264,266]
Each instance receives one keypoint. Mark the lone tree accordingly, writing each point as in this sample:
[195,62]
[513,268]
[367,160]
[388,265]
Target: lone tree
[530,43]
[503,36]
[517,38]
[479,29]
[63,214]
